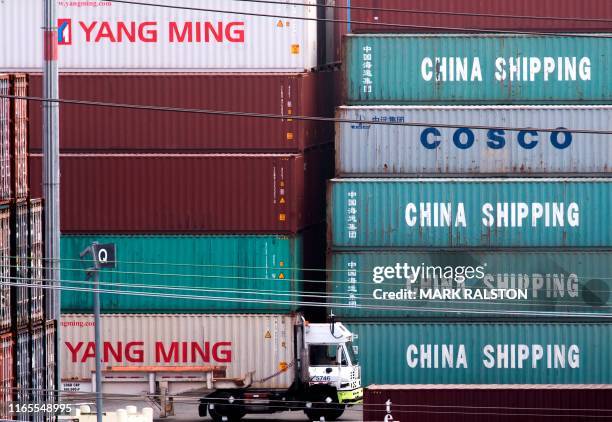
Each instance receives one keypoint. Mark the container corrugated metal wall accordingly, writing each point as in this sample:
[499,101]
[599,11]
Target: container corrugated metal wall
[469,213]
[122,37]
[23,375]
[5,269]
[580,353]
[86,129]
[484,403]
[19,263]
[372,150]
[204,193]
[268,268]
[35,260]
[472,15]
[418,69]
[37,353]
[5,133]
[243,343]
[555,282]
[51,362]
[7,347]
[19,137]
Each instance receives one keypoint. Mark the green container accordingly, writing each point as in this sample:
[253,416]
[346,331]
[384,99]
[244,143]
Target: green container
[225,273]
[484,353]
[406,284]
[409,69]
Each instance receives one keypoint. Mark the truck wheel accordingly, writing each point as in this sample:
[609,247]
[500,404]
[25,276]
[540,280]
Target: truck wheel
[324,404]
[225,407]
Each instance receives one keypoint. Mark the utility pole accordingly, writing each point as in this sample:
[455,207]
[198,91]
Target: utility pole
[51,171]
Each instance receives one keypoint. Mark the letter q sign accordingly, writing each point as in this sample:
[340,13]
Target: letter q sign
[104,255]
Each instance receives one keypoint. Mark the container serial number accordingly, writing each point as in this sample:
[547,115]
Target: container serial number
[31,408]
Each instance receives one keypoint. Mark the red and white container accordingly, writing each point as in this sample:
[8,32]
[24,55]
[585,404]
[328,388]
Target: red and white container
[19,136]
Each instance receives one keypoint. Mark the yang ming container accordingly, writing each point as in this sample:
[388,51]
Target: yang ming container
[230,273]
[364,149]
[405,284]
[7,356]
[19,136]
[479,403]
[473,15]
[35,261]
[241,343]
[6,307]
[86,129]
[208,193]
[477,69]
[19,263]
[129,37]
[488,213]
[51,362]
[484,353]
[5,133]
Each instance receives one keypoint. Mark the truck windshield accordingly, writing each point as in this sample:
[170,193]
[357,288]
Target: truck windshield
[351,353]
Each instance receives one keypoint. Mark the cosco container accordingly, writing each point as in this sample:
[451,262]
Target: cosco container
[19,136]
[477,69]
[111,36]
[404,284]
[37,351]
[86,129]
[208,193]
[226,273]
[474,15]
[35,261]
[51,363]
[484,353]
[19,262]
[241,343]
[435,149]
[483,403]
[5,133]
[438,213]
[7,357]
[23,376]
[6,307]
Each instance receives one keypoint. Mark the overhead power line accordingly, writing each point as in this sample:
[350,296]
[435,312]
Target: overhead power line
[423,28]
[303,118]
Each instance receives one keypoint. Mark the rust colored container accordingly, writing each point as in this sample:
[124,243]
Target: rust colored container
[87,128]
[485,403]
[5,156]
[7,345]
[195,193]
[19,263]
[19,136]
[428,16]
[35,261]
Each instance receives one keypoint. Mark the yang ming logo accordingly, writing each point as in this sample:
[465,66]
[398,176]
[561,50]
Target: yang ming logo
[64,31]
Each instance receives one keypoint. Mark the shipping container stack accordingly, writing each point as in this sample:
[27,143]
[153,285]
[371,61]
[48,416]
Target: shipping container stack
[226,208]
[22,317]
[461,204]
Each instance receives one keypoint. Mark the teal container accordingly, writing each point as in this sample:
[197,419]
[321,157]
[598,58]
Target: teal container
[486,212]
[225,273]
[398,285]
[477,69]
[484,353]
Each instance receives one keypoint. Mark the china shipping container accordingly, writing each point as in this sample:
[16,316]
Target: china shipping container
[196,193]
[51,364]
[477,69]
[5,133]
[240,342]
[7,348]
[378,150]
[5,269]
[35,261]
[86,128]
[483,403]
[430,16]
[123,37]
[23,375]
[484,353]
[369,285]
[19,263]
[427,213]
[19,137]
[37,353]
[244,273]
